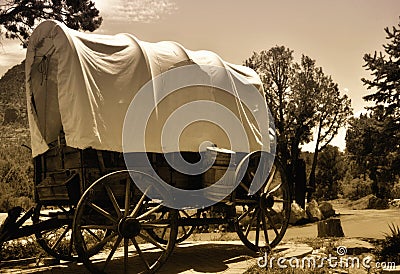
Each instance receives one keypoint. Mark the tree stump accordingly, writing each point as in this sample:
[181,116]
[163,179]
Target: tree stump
[330,228]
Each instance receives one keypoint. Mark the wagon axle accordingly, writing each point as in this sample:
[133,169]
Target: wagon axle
[129,227]
[266,201]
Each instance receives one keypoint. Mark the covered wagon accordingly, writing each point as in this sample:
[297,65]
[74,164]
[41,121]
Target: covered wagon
[111,120]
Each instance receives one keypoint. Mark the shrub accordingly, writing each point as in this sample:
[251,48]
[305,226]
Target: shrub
[390,248]
[16,169]
[18,249]
[357,188]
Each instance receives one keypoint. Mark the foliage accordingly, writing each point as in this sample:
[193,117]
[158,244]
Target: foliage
[330,171]
[19,249]
[373,147]
[356,188]
[372,140]
[385,70]
[19,17]
[300,97]
[16,169]
[390,247]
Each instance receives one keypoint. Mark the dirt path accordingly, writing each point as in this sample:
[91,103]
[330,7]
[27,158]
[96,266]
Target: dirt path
[203,254]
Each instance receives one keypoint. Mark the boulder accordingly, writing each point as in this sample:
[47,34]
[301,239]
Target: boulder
[356,246]
[378,203]
[313,212]
[297,214]
[327,210]
[10,116]
[370,202]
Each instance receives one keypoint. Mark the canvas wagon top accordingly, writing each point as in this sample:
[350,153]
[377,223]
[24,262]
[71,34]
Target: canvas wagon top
[83,84]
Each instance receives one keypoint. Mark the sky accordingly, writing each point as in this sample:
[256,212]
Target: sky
[336,33]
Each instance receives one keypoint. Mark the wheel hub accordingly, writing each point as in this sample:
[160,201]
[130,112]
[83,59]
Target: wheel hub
[129,227]
[266,201]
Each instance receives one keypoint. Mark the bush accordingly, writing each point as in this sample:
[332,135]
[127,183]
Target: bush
[395,193]
[19,249]
[356,188]
[390,248]
[16,170]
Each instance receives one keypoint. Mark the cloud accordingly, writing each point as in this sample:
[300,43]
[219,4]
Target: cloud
[144,11]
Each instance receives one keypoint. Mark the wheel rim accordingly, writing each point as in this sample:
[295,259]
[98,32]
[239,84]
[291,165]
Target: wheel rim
[56,242]
[115,204]
[262,219]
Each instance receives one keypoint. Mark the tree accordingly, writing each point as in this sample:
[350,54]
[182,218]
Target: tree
[330,171]
[385,70]
[379,146]
[19,17]
[374,150]
[332,113]
[295,94]
[285,83]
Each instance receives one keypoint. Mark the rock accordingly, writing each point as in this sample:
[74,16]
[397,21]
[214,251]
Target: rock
[10,116]
[355,246]
[392,270]
[297,214]
[395,203]
[326,210]
[370,202]
[313,212]
[377,203]
[290,250]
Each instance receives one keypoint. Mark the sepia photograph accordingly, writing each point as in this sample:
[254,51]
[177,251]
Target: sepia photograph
[183,136]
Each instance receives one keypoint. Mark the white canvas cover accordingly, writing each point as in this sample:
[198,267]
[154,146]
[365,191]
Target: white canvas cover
[83,84]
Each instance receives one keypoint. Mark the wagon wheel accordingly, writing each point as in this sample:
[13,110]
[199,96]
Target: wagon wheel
[263,220]
[115,204]
[184,232]
[56,242]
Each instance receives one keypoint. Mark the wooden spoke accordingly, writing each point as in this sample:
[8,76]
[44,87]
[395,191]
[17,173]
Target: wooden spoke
[102,212]
[139,204]
[114,248]
[251,222]
[111,227]
[151,211]
[184,229]
[272,223]
[113,200]
[149,239]
[126,255]
[102,242]
[244,186]
[127,196]
[57,243]
[246,213]
[270,177]
[71,244]
[93,234]
[141,255]
[264,226]
[274,189]
[153,225]
[258,229]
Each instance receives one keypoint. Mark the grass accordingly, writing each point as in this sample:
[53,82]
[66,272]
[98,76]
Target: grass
[26,247]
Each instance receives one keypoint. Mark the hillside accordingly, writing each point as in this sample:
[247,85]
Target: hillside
[12,96]
[16,171]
